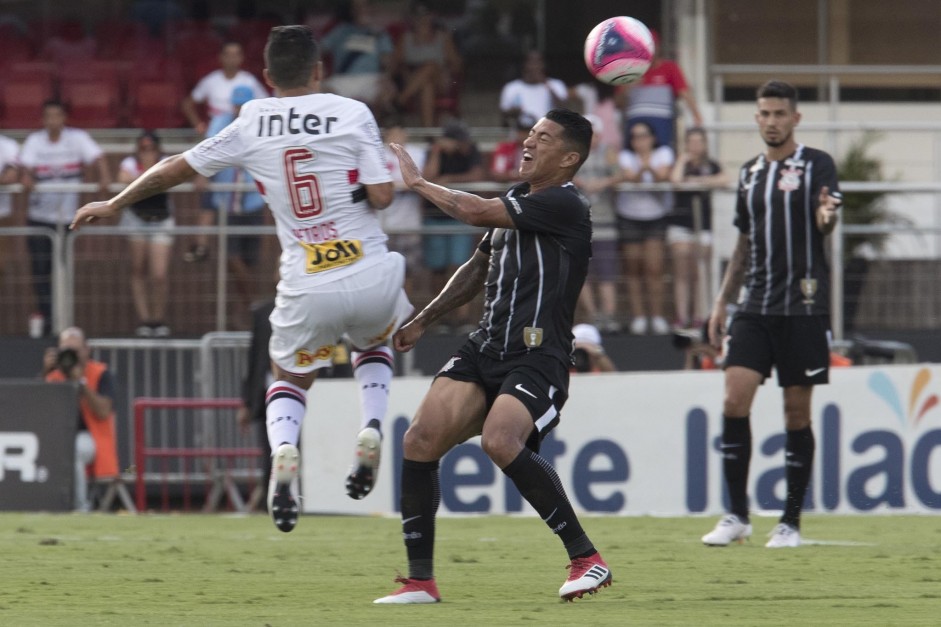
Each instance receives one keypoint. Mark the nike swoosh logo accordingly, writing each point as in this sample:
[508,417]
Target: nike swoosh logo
[408,520]
[519,386]
[814,372]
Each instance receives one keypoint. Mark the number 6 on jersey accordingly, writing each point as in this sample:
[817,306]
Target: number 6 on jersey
[304,189]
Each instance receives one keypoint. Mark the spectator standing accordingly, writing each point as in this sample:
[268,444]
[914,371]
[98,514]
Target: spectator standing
[689,230]
[642,225]
[239,208]
[453,159]
[215,89]
[788,198]
[426,62]
[595,179]
[507,155]
[653,98]
[9,174]
[405,212]
[55,154]
[361,58]
[533,93]
[96,453]
[150,250]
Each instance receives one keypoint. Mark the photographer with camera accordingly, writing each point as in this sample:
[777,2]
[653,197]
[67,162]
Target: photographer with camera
[589,355]
[95,443]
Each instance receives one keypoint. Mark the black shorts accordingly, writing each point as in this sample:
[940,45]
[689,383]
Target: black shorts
[246,247]
[540,382]
[797,346]
[632,231]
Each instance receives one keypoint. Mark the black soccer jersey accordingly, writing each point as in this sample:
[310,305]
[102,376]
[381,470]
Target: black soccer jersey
[777,201]
[536,273]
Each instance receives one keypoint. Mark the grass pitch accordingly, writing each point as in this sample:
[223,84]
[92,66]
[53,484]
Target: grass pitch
[225,570]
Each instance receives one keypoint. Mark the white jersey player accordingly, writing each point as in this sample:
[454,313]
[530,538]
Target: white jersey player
[319,162]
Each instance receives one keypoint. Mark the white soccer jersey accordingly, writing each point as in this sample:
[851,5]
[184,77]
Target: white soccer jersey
[58,161]
[216,90]
[309,156]
[8,150]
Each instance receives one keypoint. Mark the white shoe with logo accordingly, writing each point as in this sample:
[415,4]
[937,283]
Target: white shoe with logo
[282,502]
[365,469]
[729,529]
[784,536]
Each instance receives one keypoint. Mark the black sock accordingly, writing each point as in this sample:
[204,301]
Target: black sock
[421,494]
[799,462]
[736,456]
[539,484]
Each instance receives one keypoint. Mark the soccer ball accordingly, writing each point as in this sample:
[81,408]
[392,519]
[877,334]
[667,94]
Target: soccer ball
[618,50]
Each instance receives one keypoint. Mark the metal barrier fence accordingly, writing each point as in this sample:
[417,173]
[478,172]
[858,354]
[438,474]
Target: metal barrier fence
[211,367]
[168,463]
[92,292]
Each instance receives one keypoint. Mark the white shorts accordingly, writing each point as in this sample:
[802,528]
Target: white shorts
[160,232]
[682,235]
[366,308]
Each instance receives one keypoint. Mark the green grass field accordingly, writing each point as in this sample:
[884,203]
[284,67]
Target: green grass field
[224,570]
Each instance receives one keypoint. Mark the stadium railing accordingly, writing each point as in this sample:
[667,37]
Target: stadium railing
[210,367]
[185,463]
[210,304]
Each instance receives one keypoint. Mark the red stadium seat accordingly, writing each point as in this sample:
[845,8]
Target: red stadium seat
[156,104]
[91,103]
[21,102]
[15,45]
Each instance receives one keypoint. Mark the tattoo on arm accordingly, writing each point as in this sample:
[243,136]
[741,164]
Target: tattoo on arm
[461,289]
[735,272]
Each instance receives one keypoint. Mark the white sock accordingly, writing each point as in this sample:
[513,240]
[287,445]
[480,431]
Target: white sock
[373,371]
[285,404]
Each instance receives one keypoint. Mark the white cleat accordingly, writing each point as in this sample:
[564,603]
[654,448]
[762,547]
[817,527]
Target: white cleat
[728,530]
[282,502]
[784,536]
[365,469]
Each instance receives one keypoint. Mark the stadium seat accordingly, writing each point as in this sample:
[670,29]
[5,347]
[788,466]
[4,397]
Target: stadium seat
[91,103]
[21,102]
[156,104]
[15,45]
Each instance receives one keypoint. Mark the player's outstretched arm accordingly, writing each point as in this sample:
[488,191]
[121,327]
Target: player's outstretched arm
[461,289]
[161,177]
[468,208]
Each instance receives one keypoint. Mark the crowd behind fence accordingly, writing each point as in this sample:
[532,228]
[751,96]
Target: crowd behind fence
[90,278]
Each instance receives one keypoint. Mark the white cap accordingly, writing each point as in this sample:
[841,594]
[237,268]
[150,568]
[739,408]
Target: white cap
[586,334]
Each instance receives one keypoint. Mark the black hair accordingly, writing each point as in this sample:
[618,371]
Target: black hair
[778,89]
[151,135]
[576,131]
[53,102]
[291,55]
[650,129]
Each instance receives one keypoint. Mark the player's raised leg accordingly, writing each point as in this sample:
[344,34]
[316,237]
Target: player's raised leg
[373,370]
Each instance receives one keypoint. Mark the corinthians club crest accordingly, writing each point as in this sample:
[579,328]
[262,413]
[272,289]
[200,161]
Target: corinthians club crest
[790,179]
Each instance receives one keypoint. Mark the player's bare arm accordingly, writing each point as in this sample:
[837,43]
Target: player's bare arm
[827,207]
[731,285]
[380,195]
[160,178]
[463,286]
[468,208]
